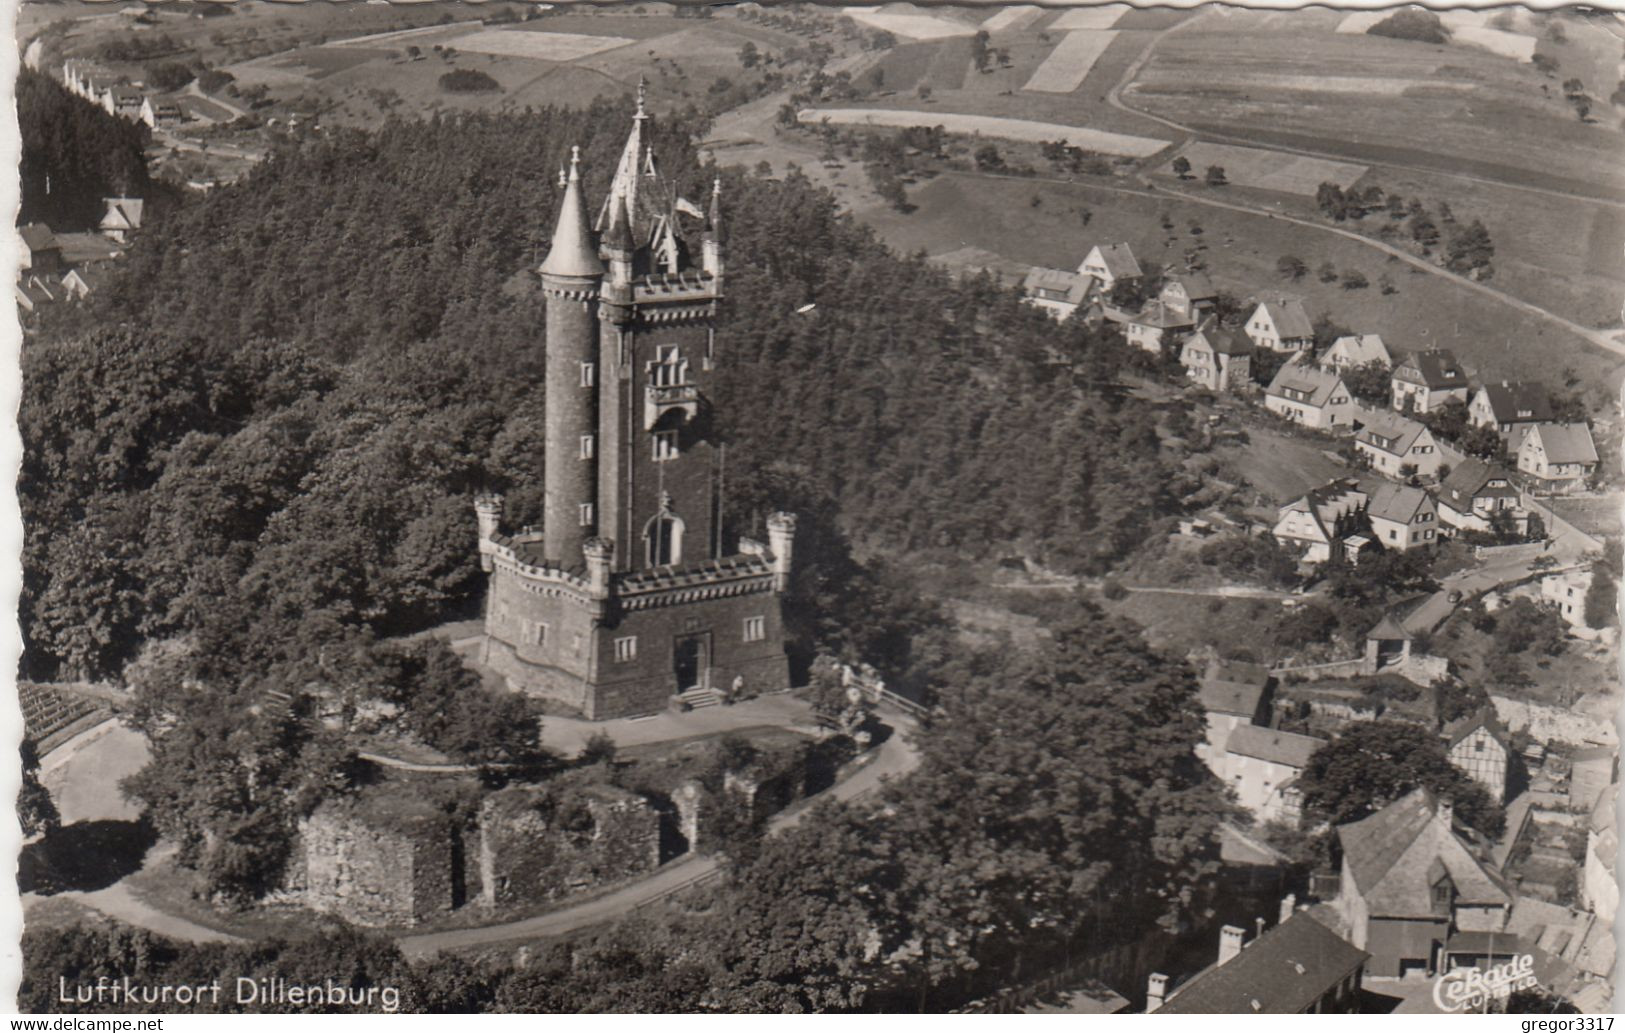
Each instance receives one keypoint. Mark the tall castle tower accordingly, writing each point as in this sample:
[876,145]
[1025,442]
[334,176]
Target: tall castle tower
[631,595]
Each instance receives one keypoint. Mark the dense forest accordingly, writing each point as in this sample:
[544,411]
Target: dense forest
[249,467]
[276,417]
[74,154]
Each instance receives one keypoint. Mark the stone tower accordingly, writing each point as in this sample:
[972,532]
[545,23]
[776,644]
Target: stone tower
[632,595]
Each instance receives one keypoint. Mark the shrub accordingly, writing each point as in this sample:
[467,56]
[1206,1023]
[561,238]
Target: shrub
[468,80]
[1114,590]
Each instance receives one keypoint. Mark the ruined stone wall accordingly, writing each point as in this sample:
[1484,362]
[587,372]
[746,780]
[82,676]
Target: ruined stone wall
[374,873]
[545,842]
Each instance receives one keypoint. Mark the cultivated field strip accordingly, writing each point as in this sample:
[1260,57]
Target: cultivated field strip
[1090,17]
[1069,63]
[1012,18]
[909,26]
[539,46]
[1097,140]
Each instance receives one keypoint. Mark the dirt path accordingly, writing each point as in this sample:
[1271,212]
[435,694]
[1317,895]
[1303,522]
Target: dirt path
[894,757]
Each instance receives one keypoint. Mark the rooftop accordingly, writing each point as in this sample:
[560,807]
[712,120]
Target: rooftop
[1565,442]
[1518,402]
[1284,971]
[1288,314]
[1396,502]
[1436,369]
[1269,744]
[1233,687]
[1395,857]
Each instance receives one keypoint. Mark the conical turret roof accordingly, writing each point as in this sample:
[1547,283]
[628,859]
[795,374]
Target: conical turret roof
[619,234]
[573,252]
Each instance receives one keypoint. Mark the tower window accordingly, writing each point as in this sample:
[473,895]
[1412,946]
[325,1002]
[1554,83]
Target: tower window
[538,635]
[589,374]
[755,629]
[668,369]
[626,649]
[586,514]
[665,445]
[586,446]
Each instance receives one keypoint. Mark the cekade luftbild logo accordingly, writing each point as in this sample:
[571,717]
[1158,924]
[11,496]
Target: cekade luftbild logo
[1463,989]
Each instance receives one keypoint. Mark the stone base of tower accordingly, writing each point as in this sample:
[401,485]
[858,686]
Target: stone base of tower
[655,635]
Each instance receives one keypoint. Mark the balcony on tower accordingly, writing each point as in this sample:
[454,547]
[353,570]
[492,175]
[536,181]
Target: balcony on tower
[669,387]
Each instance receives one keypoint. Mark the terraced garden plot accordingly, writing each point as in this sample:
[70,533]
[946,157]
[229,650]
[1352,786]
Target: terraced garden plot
[1069,63]
[1095,140]
[539,46]
[1271,170]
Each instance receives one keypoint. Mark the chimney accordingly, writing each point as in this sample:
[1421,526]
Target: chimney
[1230,942]
[1156,991]
[1289,904]
[1259,927]
[1447,811]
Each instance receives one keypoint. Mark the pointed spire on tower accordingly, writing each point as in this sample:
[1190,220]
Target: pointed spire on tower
[643,89]
[619,234]
[573,252]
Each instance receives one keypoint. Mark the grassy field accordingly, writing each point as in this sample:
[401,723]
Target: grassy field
[997,215]
[1487,109]
[1567,256]
[1281,466]
[1270,170]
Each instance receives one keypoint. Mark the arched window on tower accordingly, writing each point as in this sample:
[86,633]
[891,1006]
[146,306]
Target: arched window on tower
[663,536]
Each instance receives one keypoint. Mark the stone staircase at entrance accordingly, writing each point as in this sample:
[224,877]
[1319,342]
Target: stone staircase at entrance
[699,696]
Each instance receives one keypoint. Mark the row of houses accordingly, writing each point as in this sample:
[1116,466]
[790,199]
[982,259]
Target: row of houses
[119,96]
[1312,391]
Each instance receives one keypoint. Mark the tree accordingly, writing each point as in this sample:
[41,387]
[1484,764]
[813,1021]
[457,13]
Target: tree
[988,158]
[168,75]
[1291,267]
[36,811]
[1412,24]
[923,91]
[598,749]
[1369,382]
[979,50]
[1373,763]
[748,55]
[1182,167]
[1545,63]
[1327,272]
[1331,201]
[1354,280]
[1582,106]
[1215,176]
[1573,88]
[1470,249]
[468,80]
[1385,284]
